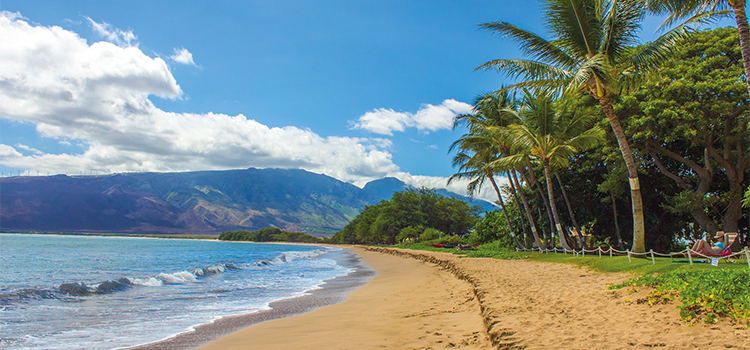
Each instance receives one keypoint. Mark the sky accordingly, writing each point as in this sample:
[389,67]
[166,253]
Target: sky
[357,90]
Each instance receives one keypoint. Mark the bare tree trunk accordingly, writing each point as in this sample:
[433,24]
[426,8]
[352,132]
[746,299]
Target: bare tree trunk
[536,184]
[617,224]
[560,233]
[639,225]
[519,205]
[570,212]
[507,218]
[528,213]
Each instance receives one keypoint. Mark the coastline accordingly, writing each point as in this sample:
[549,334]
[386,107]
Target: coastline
[432,300]
[331,292]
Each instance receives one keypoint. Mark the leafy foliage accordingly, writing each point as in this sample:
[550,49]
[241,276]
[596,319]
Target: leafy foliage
[409,210]
[706,294]
[268,234]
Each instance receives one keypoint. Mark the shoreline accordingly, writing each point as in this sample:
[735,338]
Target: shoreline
[332,291]
[435,300]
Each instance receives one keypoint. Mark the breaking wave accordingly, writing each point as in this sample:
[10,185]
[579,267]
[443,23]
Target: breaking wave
[68,291]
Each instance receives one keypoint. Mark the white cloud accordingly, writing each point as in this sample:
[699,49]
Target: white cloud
[428,118]
[97,95]
[457,186]
[183,56]
[28,149]
[113,34]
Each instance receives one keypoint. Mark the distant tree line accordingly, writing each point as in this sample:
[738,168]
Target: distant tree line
[269,234]
[413,215]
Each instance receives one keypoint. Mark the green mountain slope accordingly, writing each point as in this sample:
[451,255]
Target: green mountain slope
[194,202]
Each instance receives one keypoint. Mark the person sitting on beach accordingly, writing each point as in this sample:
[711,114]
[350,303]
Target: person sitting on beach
[705,248]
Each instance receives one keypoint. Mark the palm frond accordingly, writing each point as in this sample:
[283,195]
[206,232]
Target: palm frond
[657,51]
[576,25]
[532,44]
[621,28]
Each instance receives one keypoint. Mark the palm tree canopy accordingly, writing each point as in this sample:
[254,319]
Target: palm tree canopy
[550,133]
[590,49]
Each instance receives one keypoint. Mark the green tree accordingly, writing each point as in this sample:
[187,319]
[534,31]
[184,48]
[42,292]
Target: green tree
[383,222]
[550,133]
[477,151]
[692,121]
[591,51]
[701,10]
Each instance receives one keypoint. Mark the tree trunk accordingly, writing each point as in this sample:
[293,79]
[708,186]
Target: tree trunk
[507,218]
[617,224]
[570,212]
[639,226]
[553,206]
[528,213]
[536,184]
[744,32]
[519,205]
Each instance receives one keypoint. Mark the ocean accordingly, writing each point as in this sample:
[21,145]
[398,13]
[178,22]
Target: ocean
[88,292]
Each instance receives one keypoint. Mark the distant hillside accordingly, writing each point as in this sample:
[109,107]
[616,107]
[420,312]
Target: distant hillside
[386,187]
[194,202]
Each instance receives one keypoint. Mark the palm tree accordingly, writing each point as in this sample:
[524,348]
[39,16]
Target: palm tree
[486,142]
[700,10]
[591,51]
[550,134]
[475,157]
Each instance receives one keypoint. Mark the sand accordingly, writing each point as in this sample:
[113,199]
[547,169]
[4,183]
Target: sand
[426,300]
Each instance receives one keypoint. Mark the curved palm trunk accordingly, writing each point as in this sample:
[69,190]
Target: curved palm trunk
[560,233]
[519,205]
[617,224]
[639,230]
[744,31]
[536,184]
[528,213]
[581,241]
[505,212]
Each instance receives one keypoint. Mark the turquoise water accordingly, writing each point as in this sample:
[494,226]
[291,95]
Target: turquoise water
[62,292]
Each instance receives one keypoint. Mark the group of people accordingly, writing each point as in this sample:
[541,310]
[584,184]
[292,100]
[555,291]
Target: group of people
[706,248]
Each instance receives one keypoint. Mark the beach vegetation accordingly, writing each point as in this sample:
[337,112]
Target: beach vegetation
[410,210]
[704,294]
[690,123]
[269,234]
[591,51]
[705,11]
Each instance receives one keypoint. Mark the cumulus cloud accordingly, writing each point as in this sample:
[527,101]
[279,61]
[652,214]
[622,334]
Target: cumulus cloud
[458,186]
[97,95]
[385,121]
[183,56]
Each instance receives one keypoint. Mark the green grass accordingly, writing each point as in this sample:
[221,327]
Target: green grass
[706,293]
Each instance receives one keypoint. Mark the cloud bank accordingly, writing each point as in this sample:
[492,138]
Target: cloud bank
[96,96]
[385,121]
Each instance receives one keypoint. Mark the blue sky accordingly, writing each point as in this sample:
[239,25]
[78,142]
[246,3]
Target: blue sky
[358,90]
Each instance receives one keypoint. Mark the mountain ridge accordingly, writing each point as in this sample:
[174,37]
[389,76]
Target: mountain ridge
[201,202]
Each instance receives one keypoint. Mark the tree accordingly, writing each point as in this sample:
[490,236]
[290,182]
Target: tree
[383,222]
[691,122]
[700,10]
[590,51]
[550,133]
[477,151]
[492,113]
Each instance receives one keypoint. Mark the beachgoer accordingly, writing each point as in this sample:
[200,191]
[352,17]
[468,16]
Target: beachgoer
[706,248]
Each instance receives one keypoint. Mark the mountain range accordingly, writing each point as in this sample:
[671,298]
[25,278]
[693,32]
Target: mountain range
[204,202]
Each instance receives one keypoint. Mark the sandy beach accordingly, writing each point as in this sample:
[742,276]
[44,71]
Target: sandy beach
[427,300]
